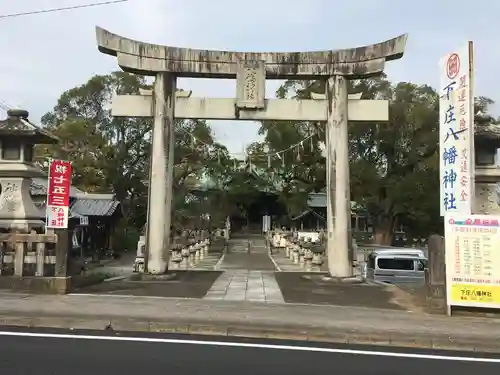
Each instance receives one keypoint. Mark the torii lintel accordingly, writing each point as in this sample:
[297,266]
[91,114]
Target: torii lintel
[149,59]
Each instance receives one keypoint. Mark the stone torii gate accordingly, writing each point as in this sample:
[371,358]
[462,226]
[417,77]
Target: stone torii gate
[251,69]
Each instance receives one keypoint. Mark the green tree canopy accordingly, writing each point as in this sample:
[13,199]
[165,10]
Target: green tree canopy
[111,154]
[394,165]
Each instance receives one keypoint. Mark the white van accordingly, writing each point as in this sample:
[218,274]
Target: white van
[396,266]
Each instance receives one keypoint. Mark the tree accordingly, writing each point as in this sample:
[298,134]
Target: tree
[300,169]
[394,165]
[198,162]
[112,154]
[77,134]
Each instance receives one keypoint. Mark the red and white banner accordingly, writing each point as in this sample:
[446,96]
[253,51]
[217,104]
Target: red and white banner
[58,188]
[456,132]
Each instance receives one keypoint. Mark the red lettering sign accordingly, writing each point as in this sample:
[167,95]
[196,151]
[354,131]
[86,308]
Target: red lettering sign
[464,196]
[462,95]
[463,79]
[59,183]
[463,109]
[453,66]
[464,181]
[463,124]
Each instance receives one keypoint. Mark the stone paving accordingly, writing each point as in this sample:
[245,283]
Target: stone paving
[248,274]
[247,254]
[246,285]
[210,262]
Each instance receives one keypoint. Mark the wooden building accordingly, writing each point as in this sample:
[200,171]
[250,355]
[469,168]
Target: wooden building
[93,217]
[314,217]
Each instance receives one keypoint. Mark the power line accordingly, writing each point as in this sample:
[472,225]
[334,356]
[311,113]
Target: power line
[12,15]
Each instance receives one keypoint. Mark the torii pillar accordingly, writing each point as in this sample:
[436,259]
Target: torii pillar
[251,69]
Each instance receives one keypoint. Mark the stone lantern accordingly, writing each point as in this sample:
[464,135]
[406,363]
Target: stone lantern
[18,136]
[486,143]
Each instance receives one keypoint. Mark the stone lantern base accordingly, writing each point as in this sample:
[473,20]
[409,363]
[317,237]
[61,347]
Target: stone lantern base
[486,190]
[21,225]
[17,209]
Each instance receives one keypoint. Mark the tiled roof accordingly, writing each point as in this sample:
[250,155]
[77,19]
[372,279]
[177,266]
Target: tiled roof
[306,212]
[17,123]
[95,204]
[39,187]
[41,205]
[318,200]
[87,204]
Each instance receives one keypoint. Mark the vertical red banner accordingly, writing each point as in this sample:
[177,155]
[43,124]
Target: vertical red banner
[58,193]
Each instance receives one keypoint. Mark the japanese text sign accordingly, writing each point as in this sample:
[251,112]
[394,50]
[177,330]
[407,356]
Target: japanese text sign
[59,183]
[57,217]
[58,192]
[472,260]
[456,132]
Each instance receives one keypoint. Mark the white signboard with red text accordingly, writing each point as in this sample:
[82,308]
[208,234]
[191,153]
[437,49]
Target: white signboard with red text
[58,194]
[456,131]
[473,260]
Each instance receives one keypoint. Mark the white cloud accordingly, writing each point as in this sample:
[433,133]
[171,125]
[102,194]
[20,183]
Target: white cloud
[43,55]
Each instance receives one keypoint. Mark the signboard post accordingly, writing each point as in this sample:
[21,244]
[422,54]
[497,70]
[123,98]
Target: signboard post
[472,260]
[456,131]
[58,189]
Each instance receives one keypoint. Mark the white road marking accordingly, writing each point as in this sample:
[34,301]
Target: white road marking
[219,262]
[251,345]
[278,269]
[127,296]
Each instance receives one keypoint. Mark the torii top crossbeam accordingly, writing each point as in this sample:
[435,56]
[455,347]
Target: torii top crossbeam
[149,59]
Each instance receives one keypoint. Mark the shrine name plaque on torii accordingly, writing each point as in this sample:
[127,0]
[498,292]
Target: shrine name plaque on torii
[250,69]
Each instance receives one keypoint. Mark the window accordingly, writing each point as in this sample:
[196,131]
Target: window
[396,264]
[362,224]
[11,150]
[28,153]
[371,261]
[421,264]
[353,224]
[486,157]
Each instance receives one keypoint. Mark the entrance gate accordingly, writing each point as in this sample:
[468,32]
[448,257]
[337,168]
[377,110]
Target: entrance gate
[251,69]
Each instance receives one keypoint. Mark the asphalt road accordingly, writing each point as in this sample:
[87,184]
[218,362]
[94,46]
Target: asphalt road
[64,352]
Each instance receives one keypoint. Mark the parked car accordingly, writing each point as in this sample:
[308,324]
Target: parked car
[396,266]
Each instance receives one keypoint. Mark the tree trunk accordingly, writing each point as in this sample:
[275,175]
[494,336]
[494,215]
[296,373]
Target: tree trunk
[384,230]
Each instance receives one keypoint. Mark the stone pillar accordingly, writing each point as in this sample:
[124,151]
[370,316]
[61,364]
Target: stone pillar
[436,276]
[169,143]
[487,174]
[338,188]
[330,143]
[160,179]
[63,248]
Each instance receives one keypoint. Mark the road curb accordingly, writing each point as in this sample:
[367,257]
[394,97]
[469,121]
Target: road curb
[331,335]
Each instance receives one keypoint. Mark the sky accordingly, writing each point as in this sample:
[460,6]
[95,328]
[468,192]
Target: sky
[45,54]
